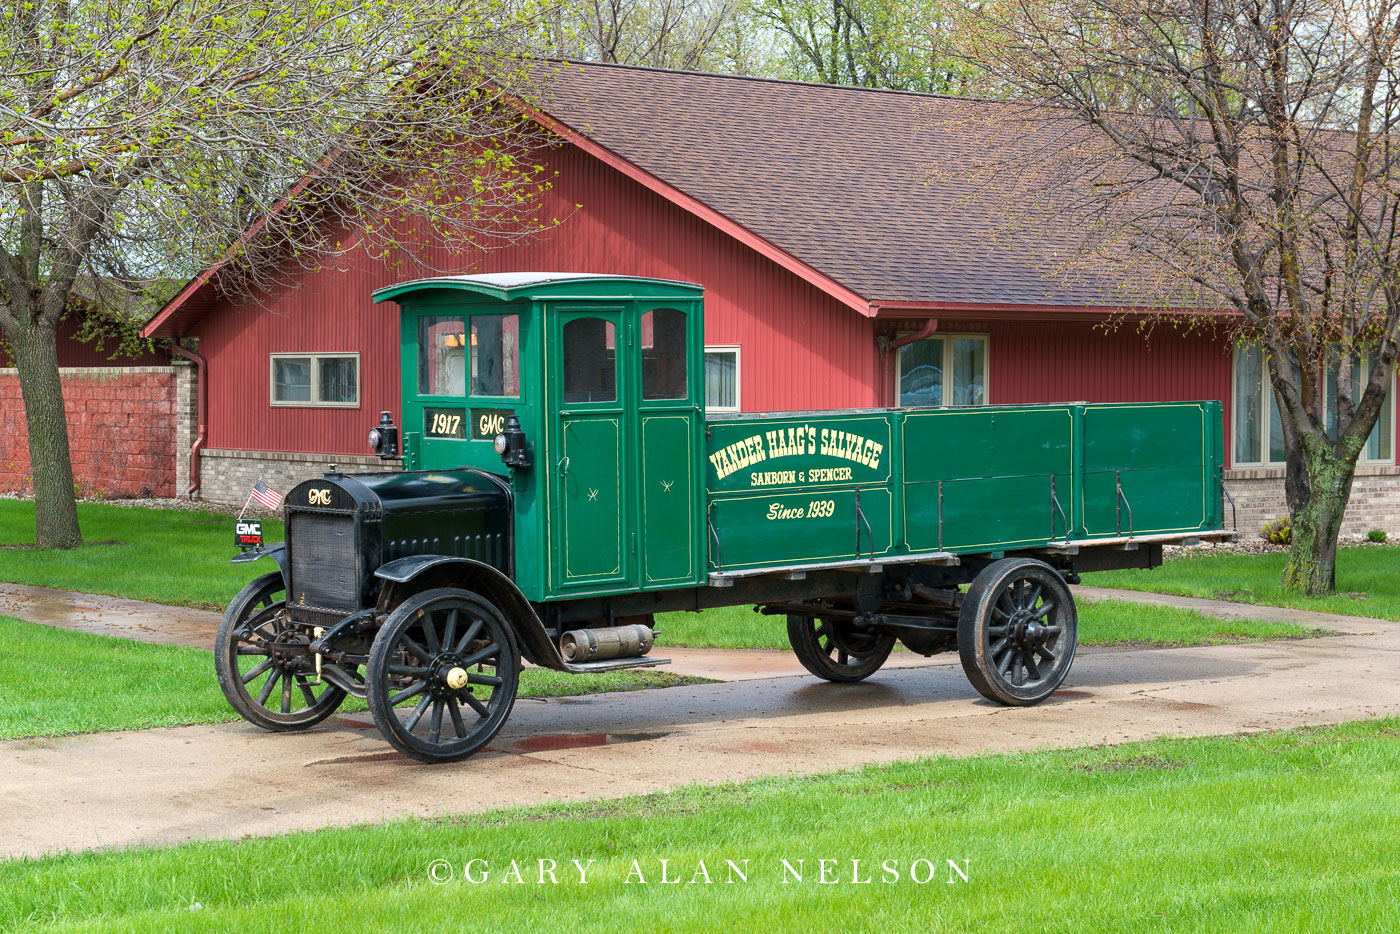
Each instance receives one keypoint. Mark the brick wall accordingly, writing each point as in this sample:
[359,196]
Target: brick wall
[227,476]
[121,430]
[1258,494]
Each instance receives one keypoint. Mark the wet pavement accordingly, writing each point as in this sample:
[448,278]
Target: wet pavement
[231,780]
[169,625]
[110,616]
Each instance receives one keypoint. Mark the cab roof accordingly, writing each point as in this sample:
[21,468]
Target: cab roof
[509,286]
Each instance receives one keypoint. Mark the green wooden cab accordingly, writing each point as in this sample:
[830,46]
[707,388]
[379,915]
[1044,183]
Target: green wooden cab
[605,376]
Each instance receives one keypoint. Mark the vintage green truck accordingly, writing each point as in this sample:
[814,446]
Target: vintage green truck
[563,484]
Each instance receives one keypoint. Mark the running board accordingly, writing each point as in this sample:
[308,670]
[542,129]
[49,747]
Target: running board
[799,571]
[615,664]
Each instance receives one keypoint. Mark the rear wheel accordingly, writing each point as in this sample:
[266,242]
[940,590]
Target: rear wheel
[1017,631]
[264,666]
[442,675]
[836,649]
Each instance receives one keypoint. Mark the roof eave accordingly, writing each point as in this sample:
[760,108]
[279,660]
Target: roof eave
[1036,312]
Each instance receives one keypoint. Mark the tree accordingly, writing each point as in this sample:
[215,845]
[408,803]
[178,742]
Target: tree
[142,139]
[695,35]
[904,46]
[1244,151]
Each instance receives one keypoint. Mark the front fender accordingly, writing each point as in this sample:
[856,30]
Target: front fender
[535,643]
[276,552]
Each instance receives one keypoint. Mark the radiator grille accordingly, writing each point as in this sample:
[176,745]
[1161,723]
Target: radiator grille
[324,572]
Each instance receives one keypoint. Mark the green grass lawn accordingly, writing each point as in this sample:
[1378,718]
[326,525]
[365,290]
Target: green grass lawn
[174,556]
[54,682]
[1107,622]
[181,557]
[1290,831]
[1368,580]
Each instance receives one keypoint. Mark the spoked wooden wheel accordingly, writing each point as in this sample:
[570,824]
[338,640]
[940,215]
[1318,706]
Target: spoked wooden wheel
[264,666]
[837,649]
[1017,631]
[442,675]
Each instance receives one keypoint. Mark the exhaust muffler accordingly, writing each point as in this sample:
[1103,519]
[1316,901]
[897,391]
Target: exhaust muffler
[594,645]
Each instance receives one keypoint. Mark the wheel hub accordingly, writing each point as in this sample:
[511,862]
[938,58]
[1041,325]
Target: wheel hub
[449,674]
[1027,631]
[289,651]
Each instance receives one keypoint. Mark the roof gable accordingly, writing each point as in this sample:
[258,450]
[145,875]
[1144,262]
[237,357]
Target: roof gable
[837,177]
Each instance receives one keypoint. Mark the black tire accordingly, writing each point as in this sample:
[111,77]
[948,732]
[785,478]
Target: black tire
[263,669]
[1017,631]
[836,649]
[422,645]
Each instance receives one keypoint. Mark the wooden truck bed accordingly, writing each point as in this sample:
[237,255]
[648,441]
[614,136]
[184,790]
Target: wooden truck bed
[789,492]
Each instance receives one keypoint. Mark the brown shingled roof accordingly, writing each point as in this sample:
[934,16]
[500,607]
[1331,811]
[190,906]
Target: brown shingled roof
[838,177]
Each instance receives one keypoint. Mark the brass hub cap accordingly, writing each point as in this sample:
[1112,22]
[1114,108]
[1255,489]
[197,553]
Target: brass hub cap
[449,675]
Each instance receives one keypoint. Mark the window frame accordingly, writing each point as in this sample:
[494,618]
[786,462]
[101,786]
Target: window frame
[315,357]
[948,337]
[1267,394]
[737,350]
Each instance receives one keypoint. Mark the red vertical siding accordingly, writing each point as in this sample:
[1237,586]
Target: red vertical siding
[800,348]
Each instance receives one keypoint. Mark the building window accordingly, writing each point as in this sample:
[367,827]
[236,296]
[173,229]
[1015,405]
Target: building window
[950,369]
[722,379]
[330,379]
[1258,430]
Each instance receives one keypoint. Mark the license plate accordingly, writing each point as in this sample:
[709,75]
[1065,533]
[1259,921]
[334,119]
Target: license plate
[247,534]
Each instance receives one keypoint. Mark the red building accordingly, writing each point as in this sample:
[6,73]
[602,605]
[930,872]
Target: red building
[837,275]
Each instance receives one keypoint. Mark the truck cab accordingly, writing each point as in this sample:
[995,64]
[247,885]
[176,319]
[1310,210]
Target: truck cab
[604,377]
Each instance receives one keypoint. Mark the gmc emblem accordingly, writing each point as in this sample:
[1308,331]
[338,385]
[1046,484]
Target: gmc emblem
[319,497]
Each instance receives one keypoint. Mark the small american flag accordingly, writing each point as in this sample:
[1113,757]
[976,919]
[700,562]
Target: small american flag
[267,496]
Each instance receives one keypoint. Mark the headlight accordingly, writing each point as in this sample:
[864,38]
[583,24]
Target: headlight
[502,444]
[374,439]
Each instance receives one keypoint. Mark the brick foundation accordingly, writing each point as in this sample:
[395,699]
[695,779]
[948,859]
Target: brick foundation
[121,435]
[227,476]
[1258,494]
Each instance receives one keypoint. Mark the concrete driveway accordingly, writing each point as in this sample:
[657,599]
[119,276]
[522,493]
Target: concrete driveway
[171,785]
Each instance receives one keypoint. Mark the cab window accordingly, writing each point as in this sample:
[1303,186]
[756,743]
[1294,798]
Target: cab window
[590,368]
[663,354]
[495,355]
[442,356]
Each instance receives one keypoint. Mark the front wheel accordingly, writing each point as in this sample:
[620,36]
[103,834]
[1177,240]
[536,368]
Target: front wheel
[1017,631]
[836,649]
[264,665]
[442,675]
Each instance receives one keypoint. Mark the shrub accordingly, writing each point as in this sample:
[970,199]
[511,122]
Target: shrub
[1278,531]
[1376,535]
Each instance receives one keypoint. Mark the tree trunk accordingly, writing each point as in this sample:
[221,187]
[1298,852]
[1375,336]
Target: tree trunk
[1312,557]
[55,506]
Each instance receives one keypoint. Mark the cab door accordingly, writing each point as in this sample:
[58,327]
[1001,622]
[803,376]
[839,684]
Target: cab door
[669,438]
[591,545]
